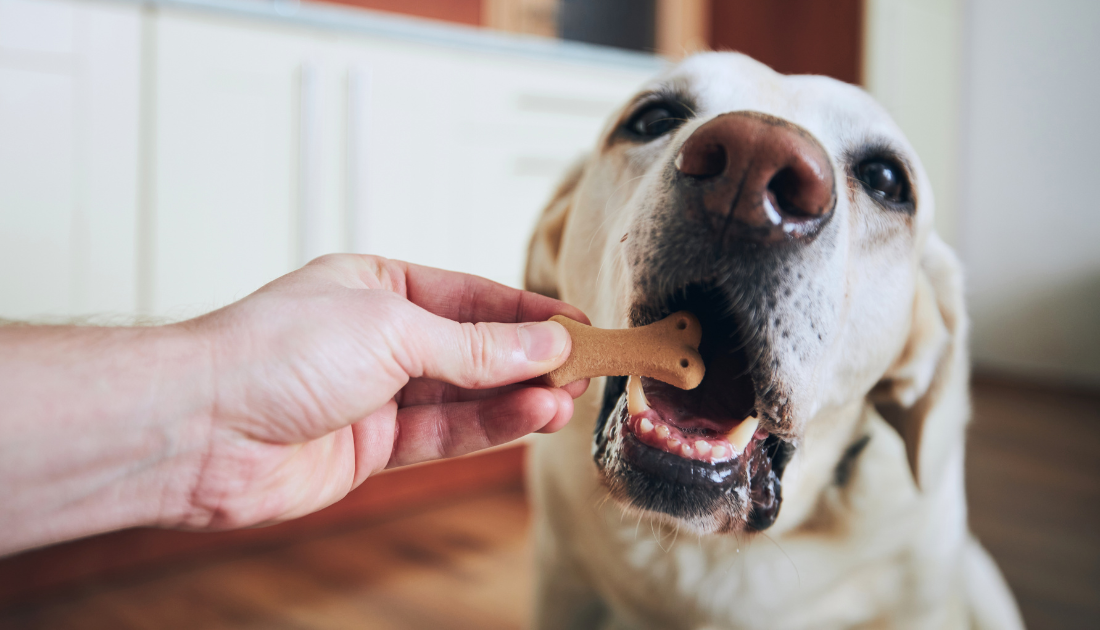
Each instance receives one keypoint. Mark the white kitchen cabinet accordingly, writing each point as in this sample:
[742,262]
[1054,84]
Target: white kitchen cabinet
[224,194]
[464,149]
[168,158]
[69,75]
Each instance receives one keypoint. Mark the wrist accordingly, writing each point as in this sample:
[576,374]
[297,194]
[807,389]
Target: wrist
[182,418]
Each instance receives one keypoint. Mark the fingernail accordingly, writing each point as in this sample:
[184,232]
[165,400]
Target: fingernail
[543,341]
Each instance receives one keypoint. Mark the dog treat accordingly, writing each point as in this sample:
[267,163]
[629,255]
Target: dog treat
[666,350]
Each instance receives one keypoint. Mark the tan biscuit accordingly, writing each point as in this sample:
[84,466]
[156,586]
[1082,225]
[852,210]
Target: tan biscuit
[666,350]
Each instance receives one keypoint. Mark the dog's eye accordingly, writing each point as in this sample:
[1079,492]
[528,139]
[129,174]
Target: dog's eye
[884,179]
[655,119]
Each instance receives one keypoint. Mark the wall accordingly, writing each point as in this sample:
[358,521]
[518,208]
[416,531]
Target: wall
[912,65]
[1029,171]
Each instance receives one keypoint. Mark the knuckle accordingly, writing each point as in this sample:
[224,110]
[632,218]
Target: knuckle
[327,260]
[480,349]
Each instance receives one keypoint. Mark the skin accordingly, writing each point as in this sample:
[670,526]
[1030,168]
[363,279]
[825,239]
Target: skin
[270,408]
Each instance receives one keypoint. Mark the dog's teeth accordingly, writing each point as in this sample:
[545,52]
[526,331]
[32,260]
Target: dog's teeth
[686,450]
[702,447]
[636,402]
[672,444]
[662,431]
[645,426]
[718,452]
[740,436]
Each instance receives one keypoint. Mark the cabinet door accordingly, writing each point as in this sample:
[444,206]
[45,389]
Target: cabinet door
[463,148]
[276,144]
[234,103]
[521,124]
[401,114]
[68,157]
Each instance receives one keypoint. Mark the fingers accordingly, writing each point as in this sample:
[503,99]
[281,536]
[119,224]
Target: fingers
[482,355]
[467,298]
[352,271]
[425,391]
[443,336]
[430,432]
[457,296]
[576,389]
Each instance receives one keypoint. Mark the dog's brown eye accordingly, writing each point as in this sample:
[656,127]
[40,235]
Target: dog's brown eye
[655,120]
[884,179]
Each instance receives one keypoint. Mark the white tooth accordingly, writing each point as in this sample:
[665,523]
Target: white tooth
[686,450]
[702,447]
[662,431]
[673,443]
[718,452]
[636,402]
[741,434]
[645,426]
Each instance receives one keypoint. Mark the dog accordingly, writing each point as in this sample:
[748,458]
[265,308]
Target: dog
[815,478]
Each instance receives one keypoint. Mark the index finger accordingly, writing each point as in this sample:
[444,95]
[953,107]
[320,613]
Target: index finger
[463,297]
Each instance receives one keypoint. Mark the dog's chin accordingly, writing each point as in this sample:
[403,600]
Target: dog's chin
[703,458]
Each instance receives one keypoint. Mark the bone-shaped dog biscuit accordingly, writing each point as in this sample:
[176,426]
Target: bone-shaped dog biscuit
[666,350]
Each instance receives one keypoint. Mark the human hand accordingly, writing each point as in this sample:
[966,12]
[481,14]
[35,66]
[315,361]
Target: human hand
[354,364]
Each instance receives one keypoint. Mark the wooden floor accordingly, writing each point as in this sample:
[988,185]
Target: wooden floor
[1034,484]
[1033,480]
[459,566]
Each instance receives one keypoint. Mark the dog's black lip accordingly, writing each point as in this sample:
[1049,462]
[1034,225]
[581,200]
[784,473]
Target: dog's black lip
[686,472]
[764,485]
[615,388]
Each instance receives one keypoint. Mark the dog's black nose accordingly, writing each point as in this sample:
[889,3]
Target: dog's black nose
[757,177]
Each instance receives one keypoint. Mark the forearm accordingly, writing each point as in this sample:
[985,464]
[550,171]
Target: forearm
[100,429]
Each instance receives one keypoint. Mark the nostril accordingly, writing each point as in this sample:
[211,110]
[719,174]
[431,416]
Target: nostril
[785,186]
[752,176]
[799,196]
[701,159]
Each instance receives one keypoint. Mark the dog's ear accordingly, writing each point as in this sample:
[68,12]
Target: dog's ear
[543,251]
[924,393]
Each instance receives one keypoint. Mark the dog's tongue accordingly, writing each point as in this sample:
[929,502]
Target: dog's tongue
[722,400]
[713,422]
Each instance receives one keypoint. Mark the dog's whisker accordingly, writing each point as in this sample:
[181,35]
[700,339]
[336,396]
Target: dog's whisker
[794,566]
[654,534]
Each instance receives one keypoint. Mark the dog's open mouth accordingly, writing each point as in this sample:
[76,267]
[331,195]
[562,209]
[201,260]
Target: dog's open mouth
[704,454]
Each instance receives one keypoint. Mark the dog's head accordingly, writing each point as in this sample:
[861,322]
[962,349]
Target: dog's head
[792,217]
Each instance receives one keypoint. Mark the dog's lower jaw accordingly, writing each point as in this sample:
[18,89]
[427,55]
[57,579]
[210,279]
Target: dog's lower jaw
[742,494]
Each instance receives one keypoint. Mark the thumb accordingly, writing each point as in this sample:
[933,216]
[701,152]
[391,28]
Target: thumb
[483,355]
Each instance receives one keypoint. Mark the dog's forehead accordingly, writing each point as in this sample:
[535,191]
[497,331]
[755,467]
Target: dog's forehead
[838,114]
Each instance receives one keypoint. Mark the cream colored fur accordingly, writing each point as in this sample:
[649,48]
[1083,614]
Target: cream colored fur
[880,551]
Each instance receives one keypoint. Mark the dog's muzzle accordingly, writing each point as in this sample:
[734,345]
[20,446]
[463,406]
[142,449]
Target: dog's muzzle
[703,455]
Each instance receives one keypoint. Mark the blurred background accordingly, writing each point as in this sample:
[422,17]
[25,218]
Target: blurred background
[161,158]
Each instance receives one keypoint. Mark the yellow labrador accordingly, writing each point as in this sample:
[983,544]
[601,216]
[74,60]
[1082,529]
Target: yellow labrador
[815,478]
